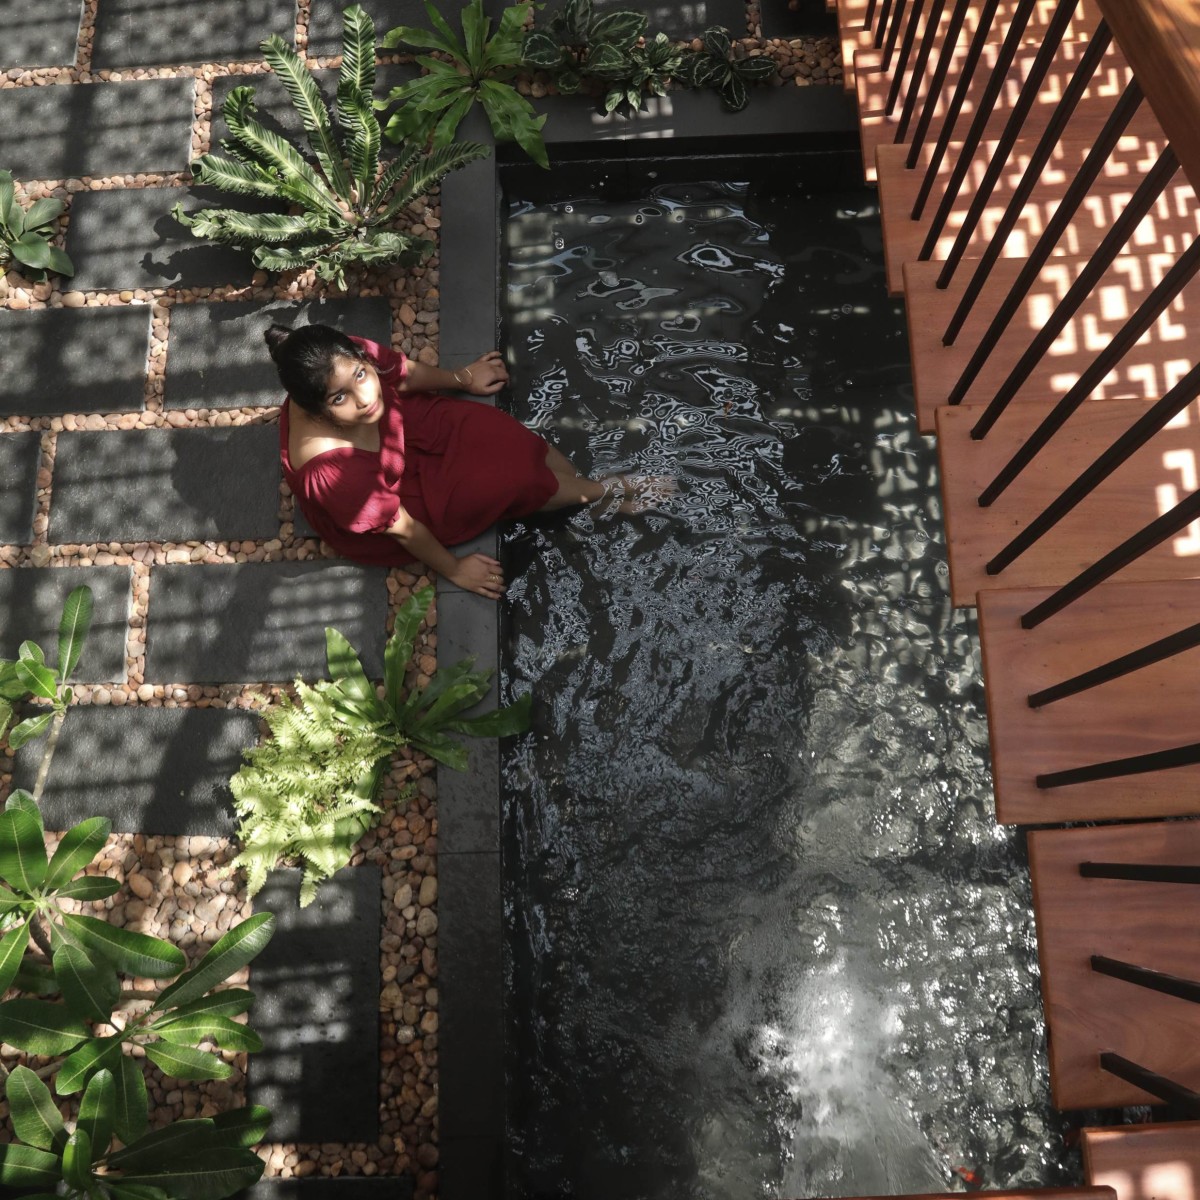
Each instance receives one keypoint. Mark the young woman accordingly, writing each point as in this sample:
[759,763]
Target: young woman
[389,471]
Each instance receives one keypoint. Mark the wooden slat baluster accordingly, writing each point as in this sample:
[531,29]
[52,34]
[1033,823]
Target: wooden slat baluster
[991,93]
[982,34]
[1088,173]
[1076,86]
[1148,191]
[958,15]
[1155,304]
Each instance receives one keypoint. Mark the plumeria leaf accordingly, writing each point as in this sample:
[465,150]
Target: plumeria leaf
[184,1062]
[73,628]
[12,950]
[30,728]
[22,849]
[27,1167]
[232,952]
[133,953]
[96,1110]
[77,1161]
[90,986]
[206,1175]
[35,1117]
[192,1030]
[89,887]
[130,1108]
[79,846]
[92,1056]
[39,1027]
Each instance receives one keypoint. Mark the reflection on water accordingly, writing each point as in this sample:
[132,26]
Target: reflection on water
[765,938]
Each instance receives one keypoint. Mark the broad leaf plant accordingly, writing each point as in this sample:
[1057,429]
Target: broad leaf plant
[26,233]
[343,207]
[75,1010]
[308,792]
[474,68]
[715,67]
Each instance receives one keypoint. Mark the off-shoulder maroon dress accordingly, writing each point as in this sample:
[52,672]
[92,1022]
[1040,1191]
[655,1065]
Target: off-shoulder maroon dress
[457,466]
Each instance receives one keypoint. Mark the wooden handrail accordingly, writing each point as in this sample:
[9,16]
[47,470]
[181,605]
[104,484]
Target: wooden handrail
[1161,42]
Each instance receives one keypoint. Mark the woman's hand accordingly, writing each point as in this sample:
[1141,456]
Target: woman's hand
[479,574]
[485,376]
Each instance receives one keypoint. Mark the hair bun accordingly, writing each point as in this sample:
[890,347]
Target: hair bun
[275,337]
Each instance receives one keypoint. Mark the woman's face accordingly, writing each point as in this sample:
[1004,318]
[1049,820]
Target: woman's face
[352,393]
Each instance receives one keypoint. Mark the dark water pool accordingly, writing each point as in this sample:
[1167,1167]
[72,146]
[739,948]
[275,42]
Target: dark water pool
[764,936]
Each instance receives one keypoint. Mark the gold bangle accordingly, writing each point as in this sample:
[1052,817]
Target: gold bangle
[470,378]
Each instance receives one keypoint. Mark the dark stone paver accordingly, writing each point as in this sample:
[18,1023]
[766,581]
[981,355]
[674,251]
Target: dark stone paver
[327,1187]
[218,357]
[100,129]
[74,360]
[252,622]
[136,33]
[20,454]
[31,601]
[39,34]
[160,771]
[166,485]
[274,110]
[317,986]
[127,238]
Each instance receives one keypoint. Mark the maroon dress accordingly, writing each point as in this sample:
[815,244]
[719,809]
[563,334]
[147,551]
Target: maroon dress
[456,466]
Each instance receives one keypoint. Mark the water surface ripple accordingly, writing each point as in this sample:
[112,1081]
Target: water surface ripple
[764,936]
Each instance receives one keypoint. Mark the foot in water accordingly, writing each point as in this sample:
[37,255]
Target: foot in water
[633,494]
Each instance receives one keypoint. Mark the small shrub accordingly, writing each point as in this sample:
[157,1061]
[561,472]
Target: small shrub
[716,68]
[76,1012]
[577,45]
[346,203]
[308,793]
[433,104]
[25,234]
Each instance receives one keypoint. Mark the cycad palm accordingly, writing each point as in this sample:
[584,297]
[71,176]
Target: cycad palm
[345,203]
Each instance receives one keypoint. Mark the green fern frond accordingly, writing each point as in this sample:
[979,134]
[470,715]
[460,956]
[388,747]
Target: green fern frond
[230,175]
[429,172]
[358,51]
[314,116]
[357,118]
[298,181]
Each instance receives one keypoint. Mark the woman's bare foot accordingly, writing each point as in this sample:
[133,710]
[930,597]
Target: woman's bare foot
[633,494]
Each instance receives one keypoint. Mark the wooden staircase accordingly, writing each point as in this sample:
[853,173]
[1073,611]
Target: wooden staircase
[1037,164]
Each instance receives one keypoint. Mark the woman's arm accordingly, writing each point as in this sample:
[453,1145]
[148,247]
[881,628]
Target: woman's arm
[484,377]
[473,572]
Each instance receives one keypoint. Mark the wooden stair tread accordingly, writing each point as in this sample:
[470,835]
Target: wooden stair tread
[855,39]
[899,187]
[1147,370]
[1092,726]
[877,128]
[1145,1162]
[1149,924]
[1135,494]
